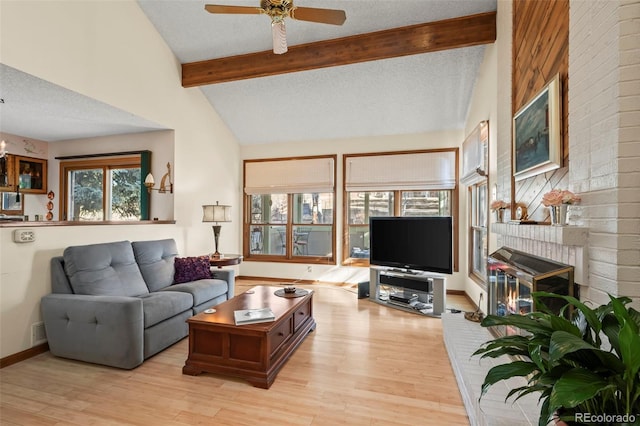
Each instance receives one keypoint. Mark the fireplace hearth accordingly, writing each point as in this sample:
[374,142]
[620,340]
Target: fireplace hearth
[512,277]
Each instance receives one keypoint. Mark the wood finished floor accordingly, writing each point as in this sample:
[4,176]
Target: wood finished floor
[365,364]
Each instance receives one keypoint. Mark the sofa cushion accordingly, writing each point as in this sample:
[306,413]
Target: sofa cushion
[106,269]
[155,259]
[189,269]
[161,305]
[202,290]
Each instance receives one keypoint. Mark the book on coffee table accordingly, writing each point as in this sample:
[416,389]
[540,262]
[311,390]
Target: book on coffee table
[253,316]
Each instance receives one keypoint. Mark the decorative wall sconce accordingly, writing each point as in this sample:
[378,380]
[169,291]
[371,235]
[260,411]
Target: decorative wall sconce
[216,213]
[149,182]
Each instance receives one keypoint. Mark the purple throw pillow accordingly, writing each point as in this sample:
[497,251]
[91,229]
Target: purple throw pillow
[191,269]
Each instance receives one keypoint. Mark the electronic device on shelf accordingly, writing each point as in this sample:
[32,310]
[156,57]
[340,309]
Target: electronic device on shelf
[403,297]
[412,243]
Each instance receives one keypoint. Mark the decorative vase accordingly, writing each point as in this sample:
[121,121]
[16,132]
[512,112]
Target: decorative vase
[559,215]
[499,215]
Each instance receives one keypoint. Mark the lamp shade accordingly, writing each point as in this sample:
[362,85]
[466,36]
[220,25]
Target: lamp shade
[216,213]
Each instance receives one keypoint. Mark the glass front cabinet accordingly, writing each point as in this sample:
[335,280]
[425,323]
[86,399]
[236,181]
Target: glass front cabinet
[25,174]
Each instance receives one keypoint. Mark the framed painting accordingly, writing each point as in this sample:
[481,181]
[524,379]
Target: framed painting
[537,143]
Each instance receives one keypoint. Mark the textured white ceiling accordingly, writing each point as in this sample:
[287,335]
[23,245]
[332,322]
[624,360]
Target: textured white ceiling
[411,94]
[405,95]
[37,109]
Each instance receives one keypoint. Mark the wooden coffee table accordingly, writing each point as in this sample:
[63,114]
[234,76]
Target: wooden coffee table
[254,352]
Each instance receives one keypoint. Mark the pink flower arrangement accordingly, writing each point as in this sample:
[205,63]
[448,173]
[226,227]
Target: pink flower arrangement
[556,197]
[499,204]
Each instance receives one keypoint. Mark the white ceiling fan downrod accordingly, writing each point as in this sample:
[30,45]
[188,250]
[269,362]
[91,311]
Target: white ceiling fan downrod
[279,34]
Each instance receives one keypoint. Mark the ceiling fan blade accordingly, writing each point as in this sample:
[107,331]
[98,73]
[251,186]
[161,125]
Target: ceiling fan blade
[279,34]
[323,16]
[246,10]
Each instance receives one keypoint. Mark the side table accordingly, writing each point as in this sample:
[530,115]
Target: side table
[225,260]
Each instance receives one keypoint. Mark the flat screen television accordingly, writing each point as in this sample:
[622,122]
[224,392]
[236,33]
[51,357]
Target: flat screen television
[423,243]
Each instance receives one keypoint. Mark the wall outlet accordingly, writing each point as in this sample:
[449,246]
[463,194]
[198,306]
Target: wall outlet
[309,269]
[24,236]
[38,333]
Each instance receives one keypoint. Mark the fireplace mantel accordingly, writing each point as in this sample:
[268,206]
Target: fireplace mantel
[563,235]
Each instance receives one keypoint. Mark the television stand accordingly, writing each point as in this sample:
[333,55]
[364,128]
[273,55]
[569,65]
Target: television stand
[425,285]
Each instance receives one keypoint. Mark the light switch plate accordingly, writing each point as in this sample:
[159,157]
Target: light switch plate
[24,236]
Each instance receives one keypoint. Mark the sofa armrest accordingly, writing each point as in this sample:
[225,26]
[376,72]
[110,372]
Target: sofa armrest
[229,276]
[106,330]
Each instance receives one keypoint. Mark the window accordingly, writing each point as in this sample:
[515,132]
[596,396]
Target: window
[474,170]
[361,206]
[289,205]
[478,232]
[420,183]
[104,190]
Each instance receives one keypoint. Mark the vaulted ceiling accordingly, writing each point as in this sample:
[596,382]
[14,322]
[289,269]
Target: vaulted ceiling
[357,84]
[393,67]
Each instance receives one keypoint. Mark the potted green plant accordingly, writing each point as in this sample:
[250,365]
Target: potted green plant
[583,362]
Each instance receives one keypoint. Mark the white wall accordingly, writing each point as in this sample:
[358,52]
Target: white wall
[335,272]
[24,270]
[108,50]
[483,106]
[491,101]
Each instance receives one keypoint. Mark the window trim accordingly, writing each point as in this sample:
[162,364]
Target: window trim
[104,163]
[349,261]
[473,226]
[289,256]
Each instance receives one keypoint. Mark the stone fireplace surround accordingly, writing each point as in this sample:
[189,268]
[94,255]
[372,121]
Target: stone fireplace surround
[565,244]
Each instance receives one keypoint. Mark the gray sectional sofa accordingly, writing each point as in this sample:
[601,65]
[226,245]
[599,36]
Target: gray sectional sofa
[115,303]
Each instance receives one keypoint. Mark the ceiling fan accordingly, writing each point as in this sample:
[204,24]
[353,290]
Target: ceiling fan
[280,9]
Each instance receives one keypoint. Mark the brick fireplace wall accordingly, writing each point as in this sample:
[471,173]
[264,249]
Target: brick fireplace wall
[602,153]
[604,140]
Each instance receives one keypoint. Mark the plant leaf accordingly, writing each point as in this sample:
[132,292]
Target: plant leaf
[561,323]
[635,316]
[523,322]
[535,352]
[621,312]
[630,349]
[545,413]
[611,329]
[589,314]
[563,343]
[593,358]
[507,371]
[576,386]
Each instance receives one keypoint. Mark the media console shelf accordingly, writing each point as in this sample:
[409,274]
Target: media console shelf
[423,284]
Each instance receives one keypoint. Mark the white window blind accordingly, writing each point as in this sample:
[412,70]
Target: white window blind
[292,176]
[417,171]
[474,155]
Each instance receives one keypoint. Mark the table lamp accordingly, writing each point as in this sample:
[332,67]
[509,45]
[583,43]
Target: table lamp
[216,213]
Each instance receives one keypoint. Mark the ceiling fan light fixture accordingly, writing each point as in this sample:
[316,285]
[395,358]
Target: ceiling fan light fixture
[279,34]
[278,10]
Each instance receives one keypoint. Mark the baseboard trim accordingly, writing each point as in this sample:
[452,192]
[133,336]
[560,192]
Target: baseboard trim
[26,354]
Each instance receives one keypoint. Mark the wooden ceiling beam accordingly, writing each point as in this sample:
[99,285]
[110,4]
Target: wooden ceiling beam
[453,33]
